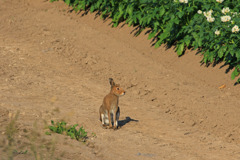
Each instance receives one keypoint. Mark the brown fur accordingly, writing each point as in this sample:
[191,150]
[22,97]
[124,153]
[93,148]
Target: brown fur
[109,110]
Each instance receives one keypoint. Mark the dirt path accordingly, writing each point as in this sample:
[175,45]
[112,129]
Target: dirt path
[55,65]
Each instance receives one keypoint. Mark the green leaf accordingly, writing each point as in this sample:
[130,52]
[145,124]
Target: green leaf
[162,11]
[211,57]
[236,72]
[71,135]
[233,75]
[92,9]
[54,129]
[205,58]
[156,24]
[180,49]
[130,23]
[158,44]
[238,55]
[115,24]
[47,133]
[238,81]
[180,14]
[221,51]
[67,2]
[82,5]
[195,35]
[176,21]
[199,41]
[151,35]
[129,10]
[149,20]
[187,40]
[164,35]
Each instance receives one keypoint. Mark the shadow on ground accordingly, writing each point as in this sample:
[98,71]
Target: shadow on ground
[125,121]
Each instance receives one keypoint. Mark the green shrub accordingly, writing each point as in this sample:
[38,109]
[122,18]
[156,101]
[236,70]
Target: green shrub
[210,26]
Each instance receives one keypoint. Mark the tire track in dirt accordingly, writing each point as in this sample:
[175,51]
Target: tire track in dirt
[57,65]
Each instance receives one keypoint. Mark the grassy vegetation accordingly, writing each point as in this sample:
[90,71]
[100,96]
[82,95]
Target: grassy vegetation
[11,131]
[32,143]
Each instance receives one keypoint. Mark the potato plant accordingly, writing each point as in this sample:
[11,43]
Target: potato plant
[210,26]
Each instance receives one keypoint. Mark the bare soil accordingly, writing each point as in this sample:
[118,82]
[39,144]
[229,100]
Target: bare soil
[55,65]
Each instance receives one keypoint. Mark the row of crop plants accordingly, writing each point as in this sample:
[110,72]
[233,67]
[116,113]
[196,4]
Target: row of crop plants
[210,26]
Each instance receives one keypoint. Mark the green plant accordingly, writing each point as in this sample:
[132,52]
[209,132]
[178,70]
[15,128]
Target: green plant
[20,152]
[40,148]
[11,131]
[60,128]
[196,24]
[94,134]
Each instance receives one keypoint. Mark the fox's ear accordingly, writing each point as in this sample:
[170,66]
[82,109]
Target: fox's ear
[111,82]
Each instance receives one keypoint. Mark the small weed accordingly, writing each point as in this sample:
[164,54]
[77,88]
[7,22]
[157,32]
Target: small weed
[20,152]
[61,127]
[47,133]
[94,134]
[11,131]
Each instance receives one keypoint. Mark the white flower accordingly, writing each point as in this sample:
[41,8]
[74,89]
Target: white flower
[208,14]
[225,10]
[210,19]
[234,14]
[199,12]
[183,1]
[217,32]
[235,29]
[225,18]
[219,1]
[205,14]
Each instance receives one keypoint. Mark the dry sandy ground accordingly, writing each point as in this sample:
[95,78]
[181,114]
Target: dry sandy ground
[55,65]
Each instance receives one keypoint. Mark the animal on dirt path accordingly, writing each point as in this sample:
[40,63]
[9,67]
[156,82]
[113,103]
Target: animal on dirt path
[109,110]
